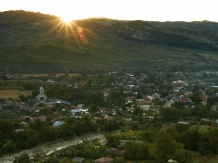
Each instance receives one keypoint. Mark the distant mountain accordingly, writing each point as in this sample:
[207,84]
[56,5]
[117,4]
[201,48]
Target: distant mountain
[38,43]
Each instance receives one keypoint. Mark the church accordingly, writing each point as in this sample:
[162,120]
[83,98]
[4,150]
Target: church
[41,98]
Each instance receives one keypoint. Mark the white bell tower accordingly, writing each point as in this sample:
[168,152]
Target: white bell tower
[41,97]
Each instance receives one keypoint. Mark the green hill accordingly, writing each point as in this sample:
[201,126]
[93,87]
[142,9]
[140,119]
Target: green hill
[38,43]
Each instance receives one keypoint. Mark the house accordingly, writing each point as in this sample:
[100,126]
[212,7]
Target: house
[130,99]
[104,160]
[58,123]
[41,118]
[23,124]
[185,99]
[148,98]
[78,159]
[53,75]
[200,92]
[18,130]
[131,110]
[9,75]
[170,160]
[80,105]
[184,123]
[204,98]
[106,94]
[108,118]
[82,83]
[50,81]
[75,112]
[55,115]
[127,120]
[189,104]
[168,103]
[156,95]
[115,151]
[144,105]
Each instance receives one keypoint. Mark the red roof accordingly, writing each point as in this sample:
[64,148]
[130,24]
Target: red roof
[185,100]
[105,159]
[144,103]
[116,151]
[41,118]
[130,97]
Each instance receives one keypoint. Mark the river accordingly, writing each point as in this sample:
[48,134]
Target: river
[48,148]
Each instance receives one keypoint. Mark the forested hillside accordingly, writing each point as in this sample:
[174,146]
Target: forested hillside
[34,42]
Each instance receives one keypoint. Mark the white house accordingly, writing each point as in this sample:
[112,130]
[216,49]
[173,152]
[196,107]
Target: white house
[144,105]
[75,111]
[58,123]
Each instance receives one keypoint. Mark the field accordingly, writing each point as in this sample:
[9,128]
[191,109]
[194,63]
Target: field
[13,94]
[46,75]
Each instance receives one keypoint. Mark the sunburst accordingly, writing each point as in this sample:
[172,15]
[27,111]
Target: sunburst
[66,19]
[64,25]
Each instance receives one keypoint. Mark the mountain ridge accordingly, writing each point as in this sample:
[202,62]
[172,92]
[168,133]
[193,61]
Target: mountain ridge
[34,42]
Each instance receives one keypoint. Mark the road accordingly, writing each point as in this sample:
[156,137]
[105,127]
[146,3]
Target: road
[48,148]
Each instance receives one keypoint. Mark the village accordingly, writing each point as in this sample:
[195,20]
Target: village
[63,106]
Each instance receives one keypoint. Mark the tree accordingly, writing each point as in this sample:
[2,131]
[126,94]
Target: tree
[33,137]
[9,146]
[164,147]
[196,99]
[93,108]
[6,127]
[120,160]
[24,158]
[169,114]
[22,98]
[136,151]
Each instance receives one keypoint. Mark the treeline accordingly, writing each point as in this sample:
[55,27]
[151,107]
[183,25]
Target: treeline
[178,142]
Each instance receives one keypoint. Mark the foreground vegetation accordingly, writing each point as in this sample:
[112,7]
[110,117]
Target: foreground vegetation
[183,143]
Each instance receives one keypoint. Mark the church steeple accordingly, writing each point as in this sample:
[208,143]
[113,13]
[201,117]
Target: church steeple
[41,97]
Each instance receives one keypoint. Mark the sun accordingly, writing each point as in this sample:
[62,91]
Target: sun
[66,19]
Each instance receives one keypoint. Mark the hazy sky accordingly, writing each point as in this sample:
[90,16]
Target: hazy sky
[158,10]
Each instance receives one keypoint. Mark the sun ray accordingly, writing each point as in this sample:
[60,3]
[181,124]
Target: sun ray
[54,28]
[92,33]
[71,28]
[66,32]
[60,28]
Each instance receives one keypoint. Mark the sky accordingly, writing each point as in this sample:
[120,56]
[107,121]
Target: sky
[152,10]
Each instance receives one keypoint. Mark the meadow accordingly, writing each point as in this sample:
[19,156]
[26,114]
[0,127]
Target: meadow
[13,94]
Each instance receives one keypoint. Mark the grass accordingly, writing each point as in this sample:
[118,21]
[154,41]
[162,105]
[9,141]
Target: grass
[13,94]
